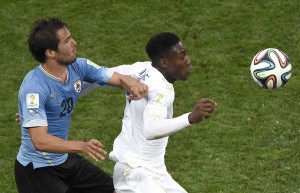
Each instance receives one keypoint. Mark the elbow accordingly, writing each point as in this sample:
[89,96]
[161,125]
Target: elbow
[150,134]
[38,146]
[149,137]
[147,133]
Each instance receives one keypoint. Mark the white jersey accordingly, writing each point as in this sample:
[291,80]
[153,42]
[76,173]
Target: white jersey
[131,146]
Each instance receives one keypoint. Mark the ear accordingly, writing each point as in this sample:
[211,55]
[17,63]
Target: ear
[163,63]
[50,54]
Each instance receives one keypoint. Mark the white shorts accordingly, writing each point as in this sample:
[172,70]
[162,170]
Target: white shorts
[141,180]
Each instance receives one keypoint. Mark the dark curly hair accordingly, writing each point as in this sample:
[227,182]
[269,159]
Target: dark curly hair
[43,36]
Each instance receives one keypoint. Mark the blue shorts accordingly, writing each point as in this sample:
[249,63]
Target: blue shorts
[76,175]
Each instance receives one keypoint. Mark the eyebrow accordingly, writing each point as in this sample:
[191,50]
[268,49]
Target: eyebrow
[181,50]
[67,38]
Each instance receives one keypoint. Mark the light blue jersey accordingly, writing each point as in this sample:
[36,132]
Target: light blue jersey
[45,101]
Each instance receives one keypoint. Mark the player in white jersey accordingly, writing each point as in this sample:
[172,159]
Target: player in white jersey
[139,149]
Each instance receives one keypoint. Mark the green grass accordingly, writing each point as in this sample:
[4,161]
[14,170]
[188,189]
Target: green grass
[250,144]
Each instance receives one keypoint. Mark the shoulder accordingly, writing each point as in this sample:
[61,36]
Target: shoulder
[80,61]
[153,78]
[84,63]
[34,81]
[143,71]
[34,77]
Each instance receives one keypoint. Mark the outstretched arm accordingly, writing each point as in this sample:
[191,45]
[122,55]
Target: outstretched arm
[156,124]
[122,69]
[137,89]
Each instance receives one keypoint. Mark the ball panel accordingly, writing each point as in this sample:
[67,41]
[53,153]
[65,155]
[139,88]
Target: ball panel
[271,82]
[259,56]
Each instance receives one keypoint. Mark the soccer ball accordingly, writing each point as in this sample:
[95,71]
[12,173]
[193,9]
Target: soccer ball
[270,68]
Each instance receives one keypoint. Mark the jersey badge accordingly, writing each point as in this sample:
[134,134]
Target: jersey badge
[143,75]
[32,100]
[77,86]
[93,64]
[158,98]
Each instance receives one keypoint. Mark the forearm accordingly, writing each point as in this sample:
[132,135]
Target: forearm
[136,89]
[58,145]
[156,125]
[48,143]
[88,87]
[118,80]
[122,69]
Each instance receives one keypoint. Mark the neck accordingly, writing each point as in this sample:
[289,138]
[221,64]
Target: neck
[165,74]
[57,70]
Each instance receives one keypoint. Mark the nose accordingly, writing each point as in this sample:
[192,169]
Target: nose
[188,61]
[74,42]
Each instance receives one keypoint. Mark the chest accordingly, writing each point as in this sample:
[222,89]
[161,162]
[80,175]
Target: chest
[62,98]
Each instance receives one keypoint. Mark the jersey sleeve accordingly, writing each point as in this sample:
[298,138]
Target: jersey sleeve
[157,123]
[163,97]
[32,106]
[123,69]
[93,73]
[87,87]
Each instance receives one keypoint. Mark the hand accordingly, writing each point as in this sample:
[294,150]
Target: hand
[137,89]
[17,119]
[202,110]
[93,148]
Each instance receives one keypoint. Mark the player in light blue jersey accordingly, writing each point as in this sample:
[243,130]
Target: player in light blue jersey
[47,160]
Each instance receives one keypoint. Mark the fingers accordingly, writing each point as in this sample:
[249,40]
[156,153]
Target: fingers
[202,110]
[208,102]
[207,106]
[138,91]
[17,119]
[93,148]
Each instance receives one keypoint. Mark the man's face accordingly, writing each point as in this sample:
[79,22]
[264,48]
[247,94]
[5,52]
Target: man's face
[179,64]
[66,53]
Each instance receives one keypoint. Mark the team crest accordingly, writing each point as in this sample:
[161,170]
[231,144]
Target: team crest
[77,86]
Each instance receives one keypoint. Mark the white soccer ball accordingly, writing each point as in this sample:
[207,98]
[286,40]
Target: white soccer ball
[270,68]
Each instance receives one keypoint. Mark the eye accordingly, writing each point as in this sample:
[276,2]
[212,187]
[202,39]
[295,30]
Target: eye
[183,56]
[67,40]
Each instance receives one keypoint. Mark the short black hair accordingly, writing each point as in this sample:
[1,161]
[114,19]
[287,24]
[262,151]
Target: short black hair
[160,45]
[43,36]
